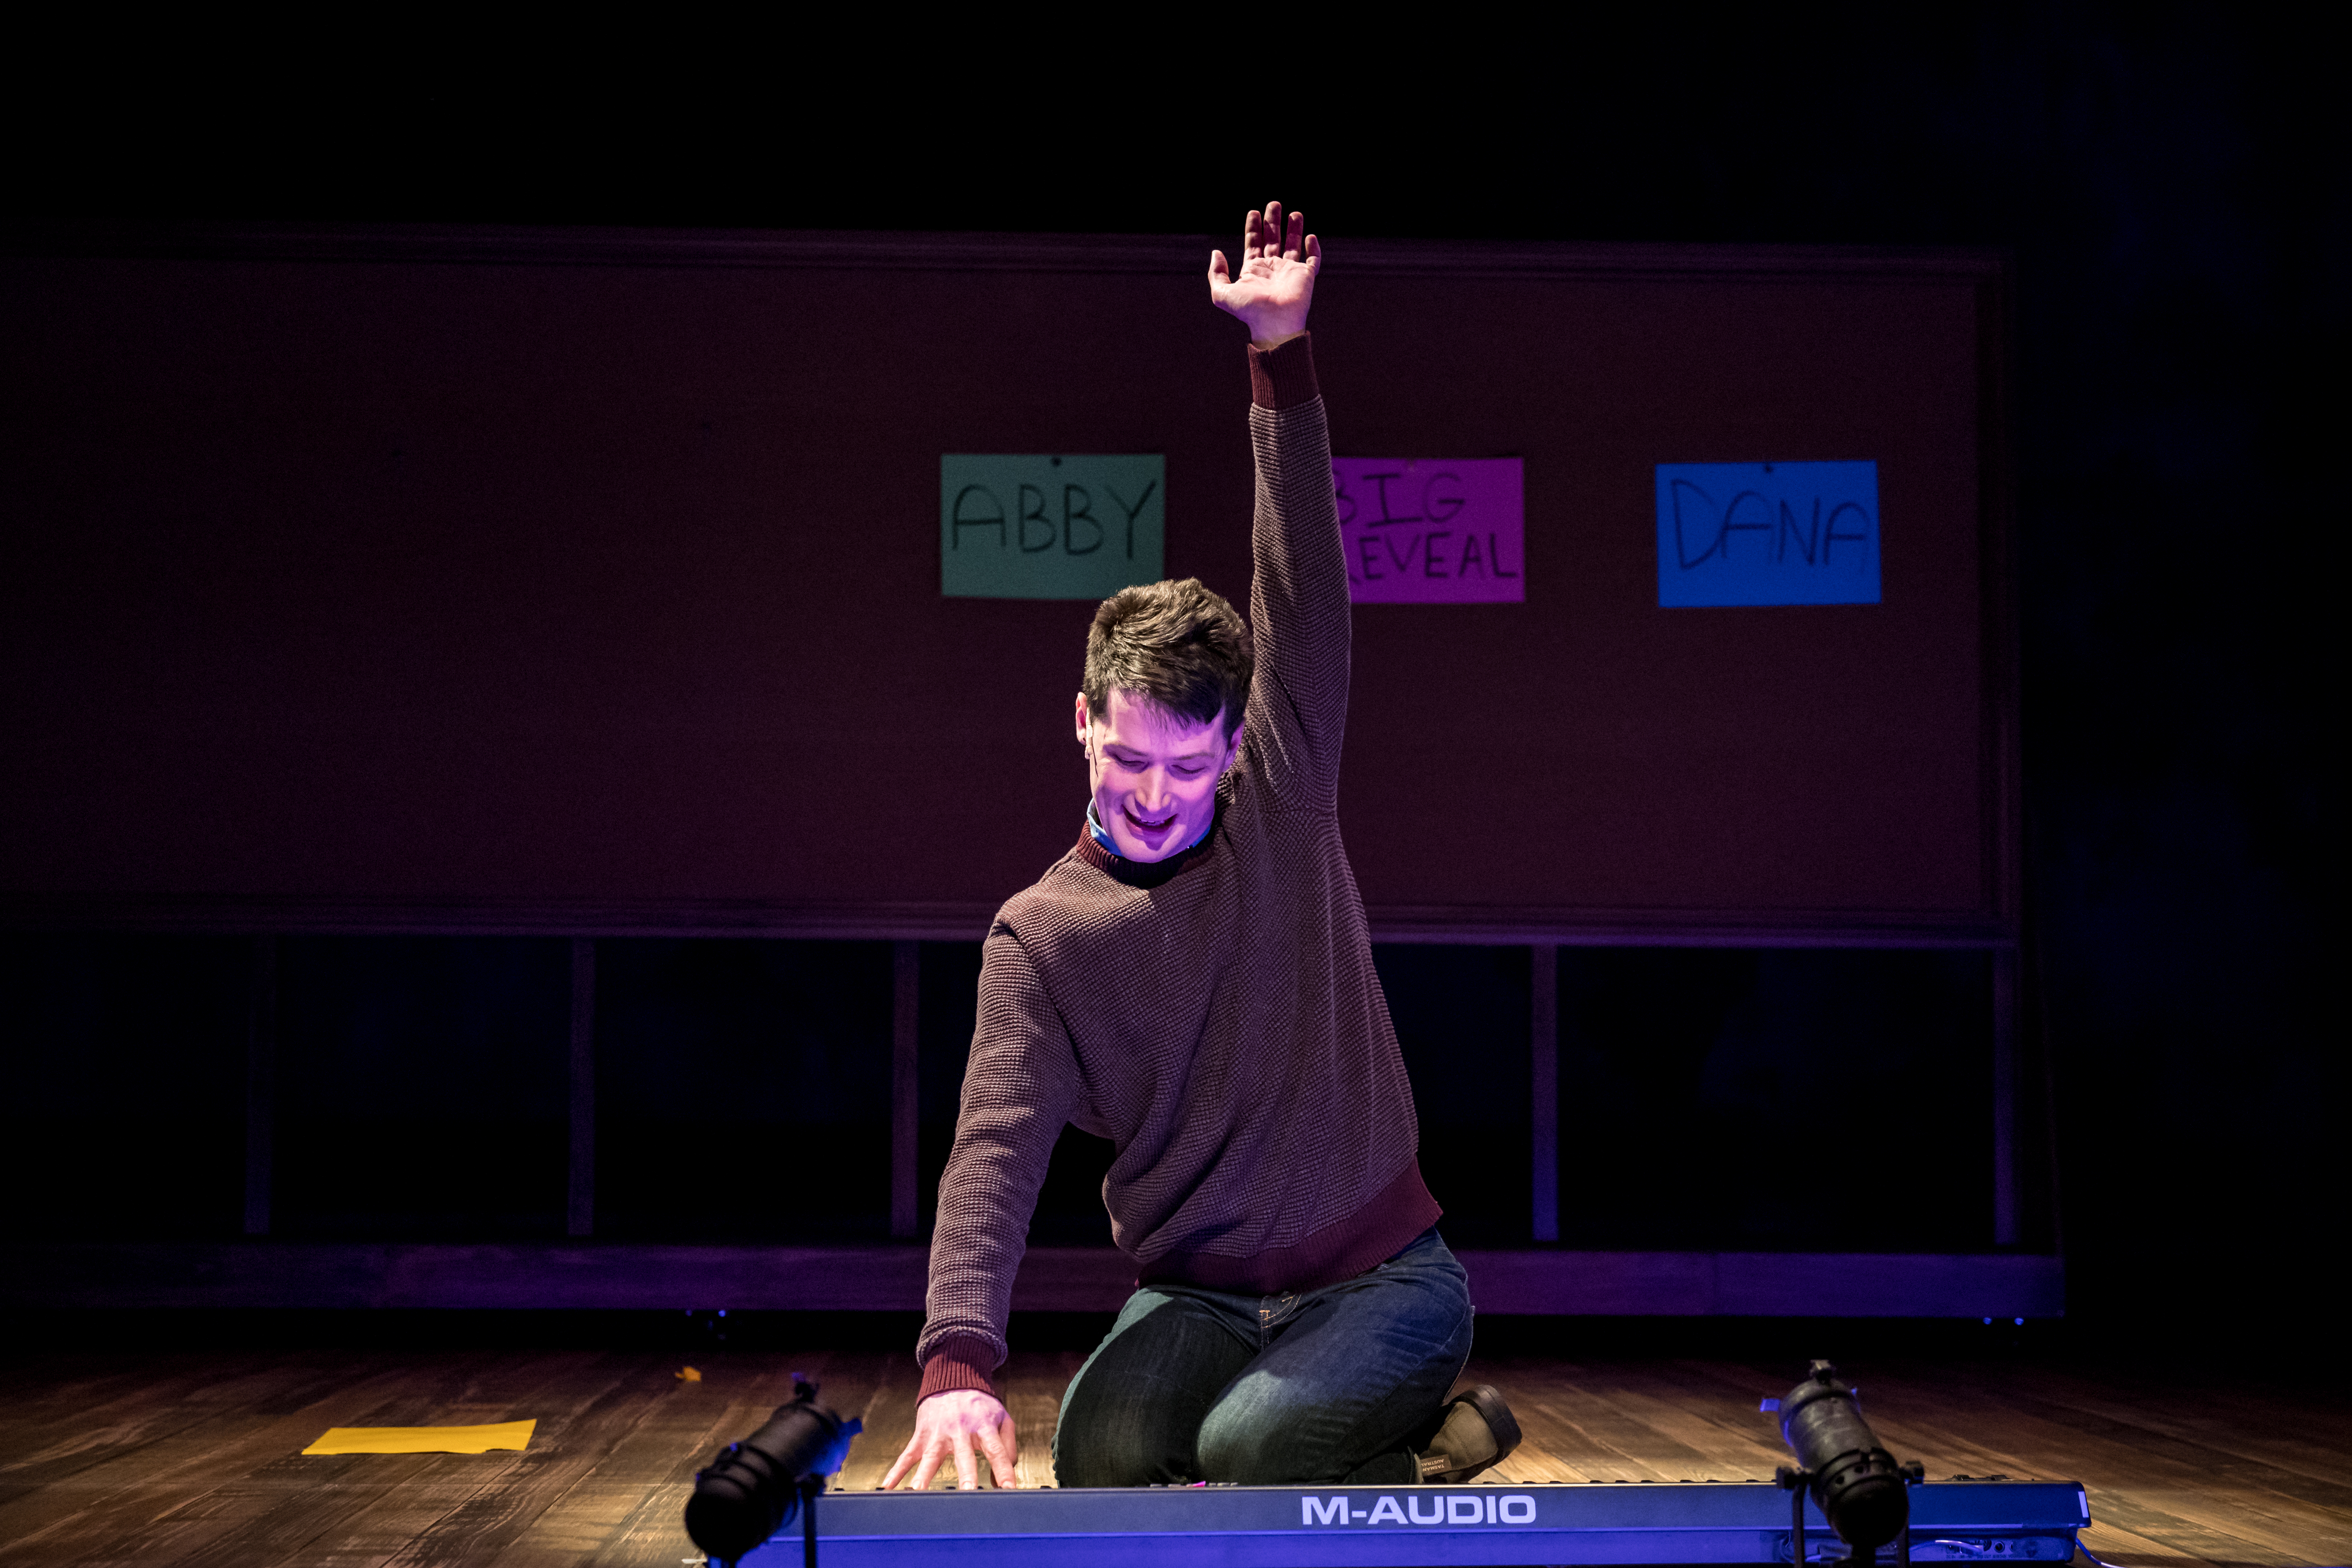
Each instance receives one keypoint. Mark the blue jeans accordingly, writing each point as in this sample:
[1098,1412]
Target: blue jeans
[1308,1387]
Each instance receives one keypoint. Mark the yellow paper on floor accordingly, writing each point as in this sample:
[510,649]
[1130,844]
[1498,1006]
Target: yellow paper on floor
[424,1439]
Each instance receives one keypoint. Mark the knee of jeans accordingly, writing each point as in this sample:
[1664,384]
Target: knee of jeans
[1110,1443]
[1094,1465]
[1086,1454]
[1244,1448]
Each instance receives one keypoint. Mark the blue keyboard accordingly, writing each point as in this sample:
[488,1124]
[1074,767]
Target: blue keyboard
[1304,1527]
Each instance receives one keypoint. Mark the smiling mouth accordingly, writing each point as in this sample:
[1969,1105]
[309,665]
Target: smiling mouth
[1142,827]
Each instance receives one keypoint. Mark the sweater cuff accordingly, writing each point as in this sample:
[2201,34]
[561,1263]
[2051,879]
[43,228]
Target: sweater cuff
[958,1362]
[1284,376]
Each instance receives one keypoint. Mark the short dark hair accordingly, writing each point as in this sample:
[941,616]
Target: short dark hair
[1181,645]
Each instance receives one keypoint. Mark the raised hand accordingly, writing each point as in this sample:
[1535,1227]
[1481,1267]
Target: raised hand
[1277,281]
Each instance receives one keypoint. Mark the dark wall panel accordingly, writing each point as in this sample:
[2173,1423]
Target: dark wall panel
[607,595]
[420,1088]
[1822,1101]
[743,1091]
[122,1086]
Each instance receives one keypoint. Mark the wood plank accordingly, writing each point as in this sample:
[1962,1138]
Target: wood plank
[198,1464]
[1939,1416]
[1943,1450]
[2268,1427]
[115,1503]
[396,1522]
[1957,1419]
[684,1428]
[1554,1447]
[2128,1511]
[32,1411]
[73,1375]
[1735,1441]
[1034,1383]
[1561,1411]
[569,1443]
[277,1508]
[84,1382]
[2132,1427]
[134,1442]
[2271,1515]
[652,1534]
[2220,1458]
[2126,1549]
[888,1413]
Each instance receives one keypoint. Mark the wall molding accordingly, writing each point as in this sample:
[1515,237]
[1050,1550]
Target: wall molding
[278,1275]
[1483,925]
[1164,254]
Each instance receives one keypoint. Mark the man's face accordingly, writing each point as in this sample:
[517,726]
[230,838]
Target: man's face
[1153,774]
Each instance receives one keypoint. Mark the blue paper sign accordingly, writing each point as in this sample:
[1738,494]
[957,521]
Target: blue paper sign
[1767,533]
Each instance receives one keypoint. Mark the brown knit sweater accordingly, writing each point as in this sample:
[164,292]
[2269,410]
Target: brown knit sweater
[1215,1015]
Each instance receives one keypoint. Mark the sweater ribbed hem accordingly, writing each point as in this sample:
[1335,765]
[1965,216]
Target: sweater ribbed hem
[1341,1251]
[959,1361]
[1284,376]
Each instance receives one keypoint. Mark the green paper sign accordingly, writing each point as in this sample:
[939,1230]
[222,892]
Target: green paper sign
[1049,527]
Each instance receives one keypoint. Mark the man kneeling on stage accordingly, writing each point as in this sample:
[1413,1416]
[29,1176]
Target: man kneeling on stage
[1193,980]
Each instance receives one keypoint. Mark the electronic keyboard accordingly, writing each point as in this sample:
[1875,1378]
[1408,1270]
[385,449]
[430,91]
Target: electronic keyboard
[1359,1527]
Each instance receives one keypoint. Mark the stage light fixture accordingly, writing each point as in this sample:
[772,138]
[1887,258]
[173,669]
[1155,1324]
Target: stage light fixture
[752,1489]
[1860,1489]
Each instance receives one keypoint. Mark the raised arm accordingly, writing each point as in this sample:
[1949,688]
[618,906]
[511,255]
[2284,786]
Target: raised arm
[1299,618]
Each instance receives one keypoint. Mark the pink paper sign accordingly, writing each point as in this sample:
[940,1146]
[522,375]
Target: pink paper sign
[1429,531]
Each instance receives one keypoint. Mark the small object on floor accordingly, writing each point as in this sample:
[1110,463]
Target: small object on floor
[513,1434]
[1475,1431]
[689,1374]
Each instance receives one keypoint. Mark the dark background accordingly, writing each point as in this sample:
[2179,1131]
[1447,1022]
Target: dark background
[2172,195]
[565,583]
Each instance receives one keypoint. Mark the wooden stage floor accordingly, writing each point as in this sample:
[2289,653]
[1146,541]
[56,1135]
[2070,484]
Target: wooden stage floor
[190,1460]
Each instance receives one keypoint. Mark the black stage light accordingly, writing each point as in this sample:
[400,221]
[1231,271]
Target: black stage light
[1860,1490]
[752,1489]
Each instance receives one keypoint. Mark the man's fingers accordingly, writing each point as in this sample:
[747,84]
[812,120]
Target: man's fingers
[928,1468]
[966,1464]
[898,1466]
[1265,236]
[1004,1450]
